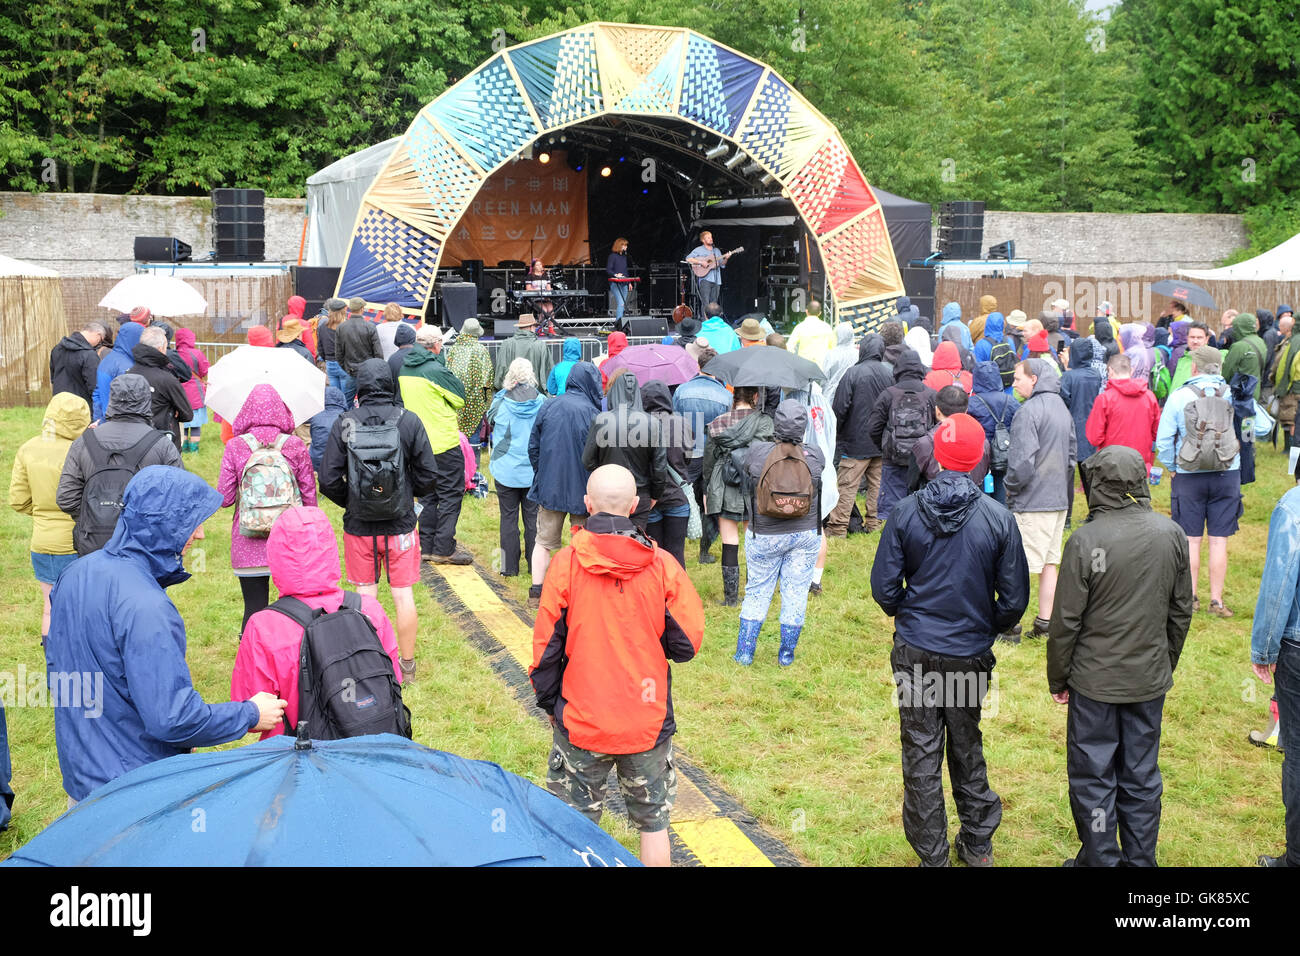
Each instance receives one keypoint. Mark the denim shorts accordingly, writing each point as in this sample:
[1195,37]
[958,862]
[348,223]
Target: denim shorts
[1207,502]
[48,567]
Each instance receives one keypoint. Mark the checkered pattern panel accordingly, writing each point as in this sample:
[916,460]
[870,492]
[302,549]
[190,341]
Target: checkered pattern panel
[448,181]
[764,133]
[852,255]
[654,94]
[829,190]
[702,95]
[866,316]
[561,77]
[404,254]
[485,113]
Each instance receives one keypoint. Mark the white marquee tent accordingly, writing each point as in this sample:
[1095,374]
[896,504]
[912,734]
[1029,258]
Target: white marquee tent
[1279,264]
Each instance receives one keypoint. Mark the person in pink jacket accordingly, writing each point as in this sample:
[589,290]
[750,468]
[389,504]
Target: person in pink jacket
[304,560]
[195,388]
[265,418]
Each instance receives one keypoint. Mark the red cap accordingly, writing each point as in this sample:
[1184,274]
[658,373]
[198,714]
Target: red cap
[141,314]
[959,442]
[1038,343]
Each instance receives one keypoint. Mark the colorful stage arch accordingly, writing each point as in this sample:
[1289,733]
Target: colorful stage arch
[546,85]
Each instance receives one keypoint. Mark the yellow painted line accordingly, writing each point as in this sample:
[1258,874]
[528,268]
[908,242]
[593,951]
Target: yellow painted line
[501,622]
[714,839]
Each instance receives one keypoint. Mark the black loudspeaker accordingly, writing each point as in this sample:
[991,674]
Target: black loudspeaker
[503,328]
[238,225]
[1003,250]
[961,229]
[315,284]
[161,249]
[647,325]
[472,270]
[493,293]
[459,302]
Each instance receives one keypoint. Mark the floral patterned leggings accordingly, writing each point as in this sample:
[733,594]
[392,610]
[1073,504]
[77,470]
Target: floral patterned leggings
[787,559]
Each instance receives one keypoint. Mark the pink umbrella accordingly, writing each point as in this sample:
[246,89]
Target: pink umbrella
[670,364]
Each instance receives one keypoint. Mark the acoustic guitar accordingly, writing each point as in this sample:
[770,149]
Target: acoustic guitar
[702,267]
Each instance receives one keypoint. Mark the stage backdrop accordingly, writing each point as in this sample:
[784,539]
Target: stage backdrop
[525,207]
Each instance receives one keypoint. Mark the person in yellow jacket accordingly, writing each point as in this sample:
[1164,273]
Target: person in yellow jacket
[32,489]
[988,305]
[434,394]
[813,338]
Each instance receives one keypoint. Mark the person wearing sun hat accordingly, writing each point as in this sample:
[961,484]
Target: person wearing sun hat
[951,571]
[751,333]
[290,337]
[524,344]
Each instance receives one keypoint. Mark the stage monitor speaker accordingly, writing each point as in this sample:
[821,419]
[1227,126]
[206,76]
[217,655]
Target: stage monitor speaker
[503,328]
[647,325]
[160,249]
[459,302]
[315,284]
[1003,250]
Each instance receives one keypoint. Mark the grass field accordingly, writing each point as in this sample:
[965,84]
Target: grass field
[812,750]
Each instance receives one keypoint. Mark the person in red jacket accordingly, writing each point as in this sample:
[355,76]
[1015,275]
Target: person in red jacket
[1125,413]
[303,554]
[945,369]
[615,609]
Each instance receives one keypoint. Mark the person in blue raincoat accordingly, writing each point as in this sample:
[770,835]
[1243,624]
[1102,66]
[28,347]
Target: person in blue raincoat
[112,365]
[6,772]
[570,355]
[119,683]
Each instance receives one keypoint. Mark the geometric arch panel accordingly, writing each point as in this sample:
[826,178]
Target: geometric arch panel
[598,69]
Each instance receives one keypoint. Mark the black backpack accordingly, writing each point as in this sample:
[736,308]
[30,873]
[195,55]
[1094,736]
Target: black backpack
[1004,357]
[377,486]
[909,421]
[101,496]
[1000,446]
[346,684]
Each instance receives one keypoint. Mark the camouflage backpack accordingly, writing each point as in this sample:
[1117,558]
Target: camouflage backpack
[267,487]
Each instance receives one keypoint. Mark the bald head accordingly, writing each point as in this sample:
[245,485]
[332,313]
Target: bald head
[611,489]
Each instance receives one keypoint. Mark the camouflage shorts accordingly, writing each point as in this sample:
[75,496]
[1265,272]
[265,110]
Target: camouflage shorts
[648,781]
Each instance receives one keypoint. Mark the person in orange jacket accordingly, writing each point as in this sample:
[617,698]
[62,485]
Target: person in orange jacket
[615,609]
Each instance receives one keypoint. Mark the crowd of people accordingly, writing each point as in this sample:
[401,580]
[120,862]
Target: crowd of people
[963,447]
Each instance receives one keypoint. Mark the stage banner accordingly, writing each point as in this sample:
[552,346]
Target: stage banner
[525,208]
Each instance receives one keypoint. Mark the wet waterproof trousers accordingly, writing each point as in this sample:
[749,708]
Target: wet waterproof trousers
[1111,757]
[939,700]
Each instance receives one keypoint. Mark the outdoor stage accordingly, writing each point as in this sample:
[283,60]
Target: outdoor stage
[555,148]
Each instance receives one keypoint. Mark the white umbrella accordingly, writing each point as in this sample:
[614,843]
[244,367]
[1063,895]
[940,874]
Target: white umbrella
[300,384]
[161,295]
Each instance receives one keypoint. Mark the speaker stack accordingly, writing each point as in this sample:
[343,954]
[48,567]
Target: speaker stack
[961,230]
[239,225]
[315,284]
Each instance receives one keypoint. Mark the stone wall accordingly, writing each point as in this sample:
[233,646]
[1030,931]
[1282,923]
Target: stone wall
[1116,244]
[82,234]
[91,234]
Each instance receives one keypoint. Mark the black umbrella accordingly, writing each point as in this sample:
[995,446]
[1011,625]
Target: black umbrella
[765,365]
[1184,291]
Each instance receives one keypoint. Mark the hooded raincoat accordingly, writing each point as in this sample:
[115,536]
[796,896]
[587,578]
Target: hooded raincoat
[1126,413]
[1080,386]
[856,397]
[1118,625]
[626,435]
[1043,446]
[34,482]
[946,369]
[989,401]
[264,417]
[114,364]
[561,427]
[841,358]
[435,395]
[186,346]
[723,480]
[1247,354]
[512,416]
[74,367]
[469,361]
[570,355]
[303,554]
[113,626]
[336,404]
[951,318]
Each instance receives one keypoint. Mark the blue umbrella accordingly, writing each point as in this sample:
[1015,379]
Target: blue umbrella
[377,800]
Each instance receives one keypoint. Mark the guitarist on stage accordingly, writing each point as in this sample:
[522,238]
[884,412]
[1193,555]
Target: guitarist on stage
[704,254]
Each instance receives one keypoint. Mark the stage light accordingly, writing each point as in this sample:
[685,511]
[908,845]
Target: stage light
[622,159]
[645,192]
[605,171]
[717,152]
[563,138]
[544,158]
[735,160]
[752,169]
[768,179]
